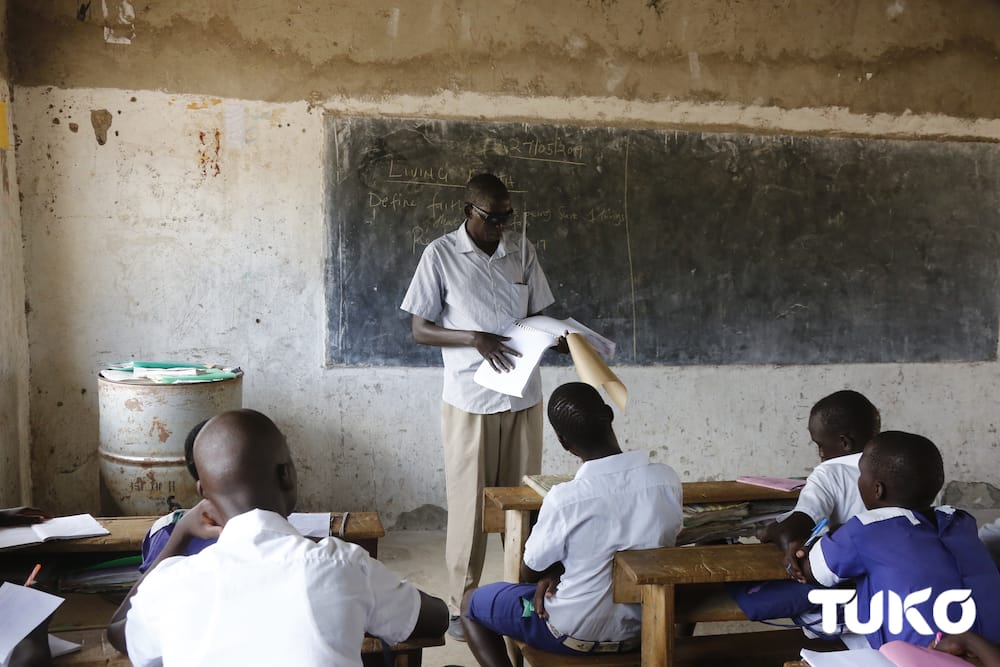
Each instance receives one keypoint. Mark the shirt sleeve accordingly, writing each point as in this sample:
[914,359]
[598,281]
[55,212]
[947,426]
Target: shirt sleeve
[144,648]
[539,293]
[547,543]
[425,296]
[396,604]
[835,557]
[818,497]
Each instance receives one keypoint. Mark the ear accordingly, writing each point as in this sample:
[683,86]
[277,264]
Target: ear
[197,486]
[847,443]
[468,210]
[611,414]
[286,478]
[880,490]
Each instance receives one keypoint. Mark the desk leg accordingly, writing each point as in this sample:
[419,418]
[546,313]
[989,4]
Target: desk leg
[517,524]
[658,641]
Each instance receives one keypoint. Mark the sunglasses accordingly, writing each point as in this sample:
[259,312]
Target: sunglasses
[495,219]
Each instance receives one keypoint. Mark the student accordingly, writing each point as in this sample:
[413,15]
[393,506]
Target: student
[159,533]
[263,594]
[840,425]
[901,544]
[616,501]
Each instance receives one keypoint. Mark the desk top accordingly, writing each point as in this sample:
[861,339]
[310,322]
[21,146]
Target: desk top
[695,565]
[127,533]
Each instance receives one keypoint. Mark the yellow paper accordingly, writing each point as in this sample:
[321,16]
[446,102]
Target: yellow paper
[4,133]
[592,370]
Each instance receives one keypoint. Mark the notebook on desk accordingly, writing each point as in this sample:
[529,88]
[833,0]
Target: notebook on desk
[59,528]
[542,484]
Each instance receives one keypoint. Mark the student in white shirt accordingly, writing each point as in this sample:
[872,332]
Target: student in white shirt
[616,501]
[840,425]
[262,594]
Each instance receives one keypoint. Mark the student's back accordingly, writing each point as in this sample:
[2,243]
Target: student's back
[265,595]
[613,504]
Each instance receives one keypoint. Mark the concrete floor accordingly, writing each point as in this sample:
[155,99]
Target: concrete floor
[418,556]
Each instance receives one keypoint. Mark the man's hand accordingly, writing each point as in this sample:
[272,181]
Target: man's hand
[23,516]
[544,589]
[200,521]
[794,557]
[493,350]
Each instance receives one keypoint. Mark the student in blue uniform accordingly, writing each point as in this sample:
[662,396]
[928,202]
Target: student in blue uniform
[902,544]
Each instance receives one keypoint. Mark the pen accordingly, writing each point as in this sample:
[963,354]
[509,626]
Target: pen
[816,533]
[937,640]
[31,577]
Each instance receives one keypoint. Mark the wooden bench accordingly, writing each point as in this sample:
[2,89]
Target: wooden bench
[97,652]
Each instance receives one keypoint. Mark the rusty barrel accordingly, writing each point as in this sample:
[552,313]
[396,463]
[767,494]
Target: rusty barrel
[143,426]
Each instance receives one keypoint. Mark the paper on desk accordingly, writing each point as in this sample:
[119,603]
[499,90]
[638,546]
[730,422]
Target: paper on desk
[22,609]
[311,524]
[59,646]
[59,528]
[592,370]
[863,657]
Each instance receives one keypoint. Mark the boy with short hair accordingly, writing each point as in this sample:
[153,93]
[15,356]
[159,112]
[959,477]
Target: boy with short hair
[903,545]
[616,501]
[262,594]
[840,425]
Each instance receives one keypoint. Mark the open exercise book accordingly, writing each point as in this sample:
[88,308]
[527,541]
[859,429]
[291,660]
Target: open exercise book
[59,528]
[22,609]
[533,335]
[894,654]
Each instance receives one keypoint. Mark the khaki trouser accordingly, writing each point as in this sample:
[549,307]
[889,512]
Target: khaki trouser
[481,451]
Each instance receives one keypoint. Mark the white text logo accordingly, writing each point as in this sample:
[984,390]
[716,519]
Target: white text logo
[888,609]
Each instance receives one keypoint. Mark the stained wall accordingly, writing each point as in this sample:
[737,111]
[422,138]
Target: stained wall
[171,163]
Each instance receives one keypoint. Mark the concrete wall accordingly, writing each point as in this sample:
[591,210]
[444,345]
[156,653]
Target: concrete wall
[14,478]
[145,238]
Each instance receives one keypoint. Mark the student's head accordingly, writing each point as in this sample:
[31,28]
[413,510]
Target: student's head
[487,208]
[843,423]
[189,448]
[243,463]
[582,421]
[900,470]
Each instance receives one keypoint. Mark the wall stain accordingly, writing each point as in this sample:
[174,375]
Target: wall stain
[3,170]
[101,120]
[133,404]
[204,104]
[209,152]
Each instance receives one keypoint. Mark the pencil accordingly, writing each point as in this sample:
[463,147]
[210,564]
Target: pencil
[31,577]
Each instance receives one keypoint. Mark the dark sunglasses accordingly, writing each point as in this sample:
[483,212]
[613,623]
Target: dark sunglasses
[495,219]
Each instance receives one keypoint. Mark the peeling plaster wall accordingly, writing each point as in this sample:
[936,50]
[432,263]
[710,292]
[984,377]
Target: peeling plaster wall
[14,478]
[161,242]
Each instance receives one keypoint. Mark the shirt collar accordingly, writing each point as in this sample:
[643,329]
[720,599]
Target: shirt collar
[611,464]
[465,243]
[249,526]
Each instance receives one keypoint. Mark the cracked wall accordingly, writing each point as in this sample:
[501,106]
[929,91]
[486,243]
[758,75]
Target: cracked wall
[150,232]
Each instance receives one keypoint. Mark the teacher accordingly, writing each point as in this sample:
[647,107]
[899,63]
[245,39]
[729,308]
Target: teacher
[469,286]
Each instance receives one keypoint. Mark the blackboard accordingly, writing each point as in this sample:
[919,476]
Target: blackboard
[683,247]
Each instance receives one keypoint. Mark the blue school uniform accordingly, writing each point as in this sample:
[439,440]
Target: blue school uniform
[158,535]
[898,550]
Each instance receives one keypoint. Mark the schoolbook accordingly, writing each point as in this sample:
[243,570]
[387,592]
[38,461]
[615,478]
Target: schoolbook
[22,609]
[59,528]
[542,484]
[893,654]
[777,483]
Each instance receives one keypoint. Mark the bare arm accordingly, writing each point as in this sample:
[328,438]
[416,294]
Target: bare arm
[546,584]
[790,535]
[200,522]
[490,346]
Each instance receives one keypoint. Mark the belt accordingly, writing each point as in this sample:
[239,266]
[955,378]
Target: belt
[584,646]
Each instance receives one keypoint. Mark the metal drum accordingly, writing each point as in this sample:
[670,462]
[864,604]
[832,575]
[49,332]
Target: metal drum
[143,427]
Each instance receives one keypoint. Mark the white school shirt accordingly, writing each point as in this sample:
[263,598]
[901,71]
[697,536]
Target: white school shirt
[614,503]
[458,286]
[265,595]
[831,491]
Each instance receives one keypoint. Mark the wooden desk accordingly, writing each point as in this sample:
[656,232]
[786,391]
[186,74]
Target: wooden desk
[127,533]
[508,509]
[650,577]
